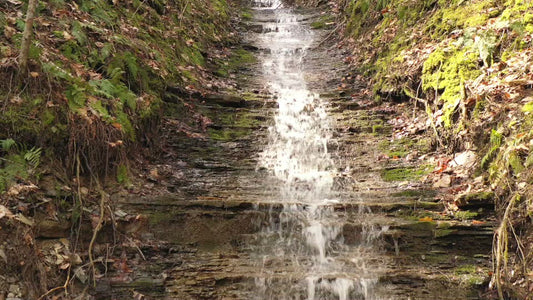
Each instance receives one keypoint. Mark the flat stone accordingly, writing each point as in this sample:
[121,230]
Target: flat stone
[466,159]
[444,181]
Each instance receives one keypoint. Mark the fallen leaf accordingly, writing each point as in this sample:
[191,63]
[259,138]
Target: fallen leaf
[23,219]
[3,255]
[476,222]
[9,32]
[4,211]
[426,219]
[34,74]
[67,36]
[16,100]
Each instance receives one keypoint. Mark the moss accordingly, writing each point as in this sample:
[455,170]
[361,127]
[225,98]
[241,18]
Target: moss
[324,22]
[465,215]
[246,15]
[415,194]
[13,166]
[495,142]
[238,59]
[402,147]
[448,71]
[515,163]
[123,175]
[479,196]
[465,269]
[378,128]
[159,217]
[401,174]
[421,226]
[443,232]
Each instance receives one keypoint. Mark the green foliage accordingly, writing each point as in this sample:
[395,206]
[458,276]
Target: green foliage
[76,97]
[123,119]
[101,11]
[495,142]
[515,162]
[20,24]
[239,58]
[324,22]
[18,162]
[448,71]
[122,175]
[465,215]
[246,15]
[7,144]
[56,71]
[72,50]
[79,34]
[528,107]
[33,156]
[401,174]
[113,90]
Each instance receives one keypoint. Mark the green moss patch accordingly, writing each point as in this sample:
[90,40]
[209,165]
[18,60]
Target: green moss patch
[403,174]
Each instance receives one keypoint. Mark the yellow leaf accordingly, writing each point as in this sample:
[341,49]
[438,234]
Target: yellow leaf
[67,36]
[426,219]
[34,74]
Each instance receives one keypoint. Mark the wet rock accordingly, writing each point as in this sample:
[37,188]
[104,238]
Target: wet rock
[226,100]
[476,200]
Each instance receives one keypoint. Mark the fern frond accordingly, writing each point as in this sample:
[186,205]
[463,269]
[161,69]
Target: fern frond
[33,156]
[7,144]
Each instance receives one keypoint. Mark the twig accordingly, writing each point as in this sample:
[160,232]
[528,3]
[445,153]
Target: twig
[183,12]
[96,230]
[137,9]
[64,286]
[502,246]
[137,247]
[331,33]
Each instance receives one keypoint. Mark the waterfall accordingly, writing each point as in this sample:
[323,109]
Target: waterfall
[303,255]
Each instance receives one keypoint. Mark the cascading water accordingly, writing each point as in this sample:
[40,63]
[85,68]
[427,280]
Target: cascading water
[303,255]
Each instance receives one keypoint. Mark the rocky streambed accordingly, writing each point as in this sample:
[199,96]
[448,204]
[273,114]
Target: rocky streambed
[205,237]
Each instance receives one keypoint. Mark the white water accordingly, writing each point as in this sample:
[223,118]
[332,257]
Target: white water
[306,256]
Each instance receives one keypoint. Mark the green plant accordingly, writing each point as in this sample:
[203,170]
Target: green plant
[495,143]
[18,162]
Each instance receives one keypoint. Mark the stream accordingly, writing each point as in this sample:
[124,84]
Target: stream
[286,199]
[303,252]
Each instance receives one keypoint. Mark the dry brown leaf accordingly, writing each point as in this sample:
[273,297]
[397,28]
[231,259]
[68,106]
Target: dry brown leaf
[5,212]
[9,31]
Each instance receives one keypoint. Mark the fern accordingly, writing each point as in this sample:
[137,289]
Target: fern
[7,144]
[106,51]
[76,97]
[115,74]
[130,62]
[55,71]
[33,156]
[111,90]
[104,88]
[99,108]
[79,33]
